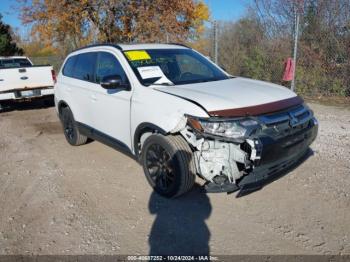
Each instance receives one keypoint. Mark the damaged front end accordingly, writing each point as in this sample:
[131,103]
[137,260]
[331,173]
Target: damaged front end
[240,153]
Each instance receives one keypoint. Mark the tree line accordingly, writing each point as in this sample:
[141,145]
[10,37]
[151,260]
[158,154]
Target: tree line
[69,24]
[258,44]
[255,46]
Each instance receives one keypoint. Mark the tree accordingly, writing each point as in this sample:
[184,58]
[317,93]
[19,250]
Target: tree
[76,23]
[7,46]
[323,57]
[35,48]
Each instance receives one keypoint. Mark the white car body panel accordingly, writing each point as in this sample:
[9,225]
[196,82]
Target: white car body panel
[114,105]
[160,109]
[35,77]
[231,93]
[77,94]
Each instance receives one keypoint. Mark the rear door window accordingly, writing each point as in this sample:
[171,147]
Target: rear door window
[85,66]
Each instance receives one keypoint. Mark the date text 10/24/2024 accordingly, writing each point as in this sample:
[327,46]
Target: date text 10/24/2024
[172,258]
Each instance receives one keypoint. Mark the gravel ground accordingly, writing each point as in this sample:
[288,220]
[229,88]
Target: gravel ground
[58,199]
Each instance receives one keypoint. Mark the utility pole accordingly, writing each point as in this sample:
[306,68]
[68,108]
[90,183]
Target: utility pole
[215,25]
[296,35]
[167,37]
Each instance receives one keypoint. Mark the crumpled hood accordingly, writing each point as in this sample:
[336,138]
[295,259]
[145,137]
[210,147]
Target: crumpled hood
[230,94]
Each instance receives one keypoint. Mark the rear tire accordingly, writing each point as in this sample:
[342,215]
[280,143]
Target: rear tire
[168,165]
[70,128]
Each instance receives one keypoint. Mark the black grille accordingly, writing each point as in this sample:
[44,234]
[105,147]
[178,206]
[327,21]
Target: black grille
[286,122]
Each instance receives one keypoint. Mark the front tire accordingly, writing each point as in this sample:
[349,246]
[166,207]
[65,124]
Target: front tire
[70,128]
[168,165]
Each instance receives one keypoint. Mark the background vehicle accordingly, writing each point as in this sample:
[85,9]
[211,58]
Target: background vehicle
[181,115]
[21,80]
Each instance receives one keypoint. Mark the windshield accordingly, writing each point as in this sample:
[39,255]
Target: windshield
[14,62]
[172,67]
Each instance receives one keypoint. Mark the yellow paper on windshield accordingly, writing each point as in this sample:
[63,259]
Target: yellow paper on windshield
[137,55]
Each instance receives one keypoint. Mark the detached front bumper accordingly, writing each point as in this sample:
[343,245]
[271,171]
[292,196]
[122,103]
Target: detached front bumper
[277,143]
[278,156]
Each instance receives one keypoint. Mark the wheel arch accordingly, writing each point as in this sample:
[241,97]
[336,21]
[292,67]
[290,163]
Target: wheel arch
[61,104]
[141,129]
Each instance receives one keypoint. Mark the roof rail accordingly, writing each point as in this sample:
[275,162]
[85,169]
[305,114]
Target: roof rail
[119,47]
[100,44]
[179,44]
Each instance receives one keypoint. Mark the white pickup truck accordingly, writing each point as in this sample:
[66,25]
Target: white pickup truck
[20,80]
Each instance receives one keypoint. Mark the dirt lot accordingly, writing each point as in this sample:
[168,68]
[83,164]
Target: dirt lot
[58,199]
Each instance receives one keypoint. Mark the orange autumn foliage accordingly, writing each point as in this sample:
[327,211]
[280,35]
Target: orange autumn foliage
[70,23]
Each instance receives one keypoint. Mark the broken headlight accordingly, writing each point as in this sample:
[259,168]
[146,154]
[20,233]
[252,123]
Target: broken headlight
[229,128]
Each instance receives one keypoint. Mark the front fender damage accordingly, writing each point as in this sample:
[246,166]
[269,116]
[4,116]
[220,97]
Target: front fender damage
[222,163]
[230,164]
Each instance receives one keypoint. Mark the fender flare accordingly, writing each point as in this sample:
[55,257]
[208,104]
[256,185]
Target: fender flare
[141,129]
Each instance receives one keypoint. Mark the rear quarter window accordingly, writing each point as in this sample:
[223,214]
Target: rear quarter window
[69,66]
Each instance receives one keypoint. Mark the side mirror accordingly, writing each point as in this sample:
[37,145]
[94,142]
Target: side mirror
[113,82]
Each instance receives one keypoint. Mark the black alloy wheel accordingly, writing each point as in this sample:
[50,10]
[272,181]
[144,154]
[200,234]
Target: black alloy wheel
[168,164]
[70,129]
[160,167]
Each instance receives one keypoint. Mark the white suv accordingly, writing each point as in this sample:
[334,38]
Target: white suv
[181,115]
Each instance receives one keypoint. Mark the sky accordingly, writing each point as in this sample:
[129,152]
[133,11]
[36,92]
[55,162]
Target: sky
[219,9]
[227,9]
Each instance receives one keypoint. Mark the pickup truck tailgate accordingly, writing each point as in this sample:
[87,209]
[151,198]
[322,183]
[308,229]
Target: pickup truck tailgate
[25,78]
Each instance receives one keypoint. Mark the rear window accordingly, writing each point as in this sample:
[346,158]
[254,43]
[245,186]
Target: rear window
[14,63]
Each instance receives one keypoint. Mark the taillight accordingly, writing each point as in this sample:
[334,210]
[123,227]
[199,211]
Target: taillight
[54,78]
